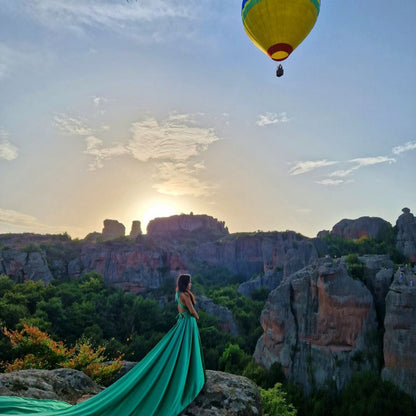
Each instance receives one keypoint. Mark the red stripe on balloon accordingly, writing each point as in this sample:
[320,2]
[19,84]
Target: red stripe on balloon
[278,47]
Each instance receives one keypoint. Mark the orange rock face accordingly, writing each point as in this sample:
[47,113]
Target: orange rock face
[318,325]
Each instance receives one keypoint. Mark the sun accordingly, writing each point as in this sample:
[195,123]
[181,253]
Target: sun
[156,211]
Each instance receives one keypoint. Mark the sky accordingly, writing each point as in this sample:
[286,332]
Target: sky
[130,110]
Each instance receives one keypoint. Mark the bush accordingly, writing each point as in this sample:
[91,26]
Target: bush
[35,349]
[275,402]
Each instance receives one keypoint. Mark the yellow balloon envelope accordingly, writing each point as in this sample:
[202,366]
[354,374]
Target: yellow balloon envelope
[277,27]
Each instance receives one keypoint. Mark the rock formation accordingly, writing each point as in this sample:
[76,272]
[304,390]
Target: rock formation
[226,395]
[61,384]
[201,227]
[136,229]
[406,234]
[249,254]
[25,265]
[400,332]
[319,324]
[378,275]
[223,314]
[368,227]
[223,394]
[113,229]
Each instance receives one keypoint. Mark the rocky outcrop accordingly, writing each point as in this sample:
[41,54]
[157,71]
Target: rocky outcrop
[363,227]
[223,394]
[113,229]
[259,253]
[224,315]
[319,324]
[226,395]
[136,229]
[378,275]
[131,267]
[200,227]
[406,234]
[62,384]
[269,282]
[25,265]
[400,332]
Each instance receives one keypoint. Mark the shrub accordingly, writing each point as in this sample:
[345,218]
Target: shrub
[275,403]
[35,349]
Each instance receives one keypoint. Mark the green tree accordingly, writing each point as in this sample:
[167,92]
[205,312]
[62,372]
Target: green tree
[275,402]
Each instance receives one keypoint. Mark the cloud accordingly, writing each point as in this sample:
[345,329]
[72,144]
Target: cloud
[330,182]
[10,217]
[72,125]
[145,20]
[370,161]
[95,147]
[271,118]
[307,166]
[179,178]
[172,146]
[99,101]
[404,148]
[7,150]
[177,138]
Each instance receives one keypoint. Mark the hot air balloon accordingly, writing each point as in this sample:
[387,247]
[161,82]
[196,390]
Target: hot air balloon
[277,27]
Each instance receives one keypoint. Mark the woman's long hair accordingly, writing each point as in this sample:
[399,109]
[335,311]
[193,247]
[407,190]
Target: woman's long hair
[182,284]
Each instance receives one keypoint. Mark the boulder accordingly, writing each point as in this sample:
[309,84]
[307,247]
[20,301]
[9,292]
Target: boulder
[226,395]
[406,234]
[319,324]
[363,227]
[61,384]
[400,332]
[113,229]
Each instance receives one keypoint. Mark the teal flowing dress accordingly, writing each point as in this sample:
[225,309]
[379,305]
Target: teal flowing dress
[166,381]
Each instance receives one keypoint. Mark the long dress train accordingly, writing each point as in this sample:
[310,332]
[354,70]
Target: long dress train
[166,381]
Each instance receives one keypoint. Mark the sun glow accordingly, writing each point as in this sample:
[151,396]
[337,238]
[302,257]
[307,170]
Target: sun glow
[156,211]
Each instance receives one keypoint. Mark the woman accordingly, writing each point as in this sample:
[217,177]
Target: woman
[165,382]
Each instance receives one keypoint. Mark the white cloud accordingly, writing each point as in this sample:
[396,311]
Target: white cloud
[179,178]
[99,101]
[404,148]
[342,173]
[72,125]
[307,166]
[10,217]
[95,147]
[330,182]
[370,161]
[8,151]
[145,20]
[176,138]
[271,118]
[173,146]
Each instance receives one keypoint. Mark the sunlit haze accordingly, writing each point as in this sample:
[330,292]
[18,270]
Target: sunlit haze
[131,110]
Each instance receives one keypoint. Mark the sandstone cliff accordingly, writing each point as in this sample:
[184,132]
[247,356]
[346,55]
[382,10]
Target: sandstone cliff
[400,332]
[319,324]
